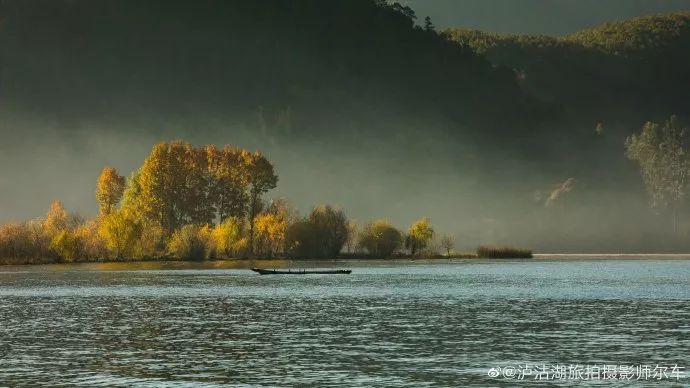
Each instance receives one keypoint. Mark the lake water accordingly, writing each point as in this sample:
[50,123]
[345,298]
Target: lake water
[397,324]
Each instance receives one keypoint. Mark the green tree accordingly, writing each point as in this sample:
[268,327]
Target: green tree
[428,25]
[380,239]
[662,154]
[331,228]
[321,235]
[300,239]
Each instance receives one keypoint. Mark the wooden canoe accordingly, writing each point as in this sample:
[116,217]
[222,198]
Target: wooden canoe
[263,271]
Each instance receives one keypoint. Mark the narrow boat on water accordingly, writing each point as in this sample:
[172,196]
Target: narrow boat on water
[263,271]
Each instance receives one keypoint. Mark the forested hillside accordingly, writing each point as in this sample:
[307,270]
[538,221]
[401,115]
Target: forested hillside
[308,66]
[339,69]
[617,74]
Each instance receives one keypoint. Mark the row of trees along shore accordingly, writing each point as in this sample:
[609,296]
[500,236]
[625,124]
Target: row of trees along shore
[200,203]
[206,202]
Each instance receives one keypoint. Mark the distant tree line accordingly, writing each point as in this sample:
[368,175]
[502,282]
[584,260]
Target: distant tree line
[200,203]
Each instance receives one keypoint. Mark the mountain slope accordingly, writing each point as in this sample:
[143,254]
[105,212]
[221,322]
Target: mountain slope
[308,65]
[620,73]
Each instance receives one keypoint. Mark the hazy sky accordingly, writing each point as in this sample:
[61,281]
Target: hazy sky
[550,17]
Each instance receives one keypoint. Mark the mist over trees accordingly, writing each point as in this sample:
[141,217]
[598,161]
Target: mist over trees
[365,95]
[199,203]
[663,155]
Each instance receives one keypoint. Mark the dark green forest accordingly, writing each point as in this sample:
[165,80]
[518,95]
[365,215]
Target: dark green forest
[515,114]
[619,73]
[314,68]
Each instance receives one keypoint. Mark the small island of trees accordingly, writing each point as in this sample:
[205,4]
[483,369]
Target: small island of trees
[199,203]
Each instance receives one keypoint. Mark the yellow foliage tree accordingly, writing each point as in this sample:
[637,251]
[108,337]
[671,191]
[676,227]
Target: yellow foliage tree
[93,245]
[418,235]
[230,171]
[120,231]
[68,245]
[56,219]
[270,233]
[191,242]
[109,190]
[229,238]
[261,178]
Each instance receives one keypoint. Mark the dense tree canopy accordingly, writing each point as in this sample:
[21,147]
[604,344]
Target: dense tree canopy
[321,235]
[380,239]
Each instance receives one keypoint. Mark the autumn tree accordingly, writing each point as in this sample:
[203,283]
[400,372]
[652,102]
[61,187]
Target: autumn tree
[171,187]
[39,237]
[56,219]
[380,239]
[191,242]
[179,184]
[68,245]
[231,179]
[662,153]
[418,236]
[271,227]
[160,179]
[120,231]
[261,179]
[109,190]
[229,237]
[93,245]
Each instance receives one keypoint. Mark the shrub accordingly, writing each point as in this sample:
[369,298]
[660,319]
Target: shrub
[230,238]
[380,239]
[503,252]
[151,243]
[24,242]
[191,242]
[68,245]
[93,245]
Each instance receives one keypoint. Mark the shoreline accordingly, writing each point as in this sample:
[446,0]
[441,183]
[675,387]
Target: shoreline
[329,263]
